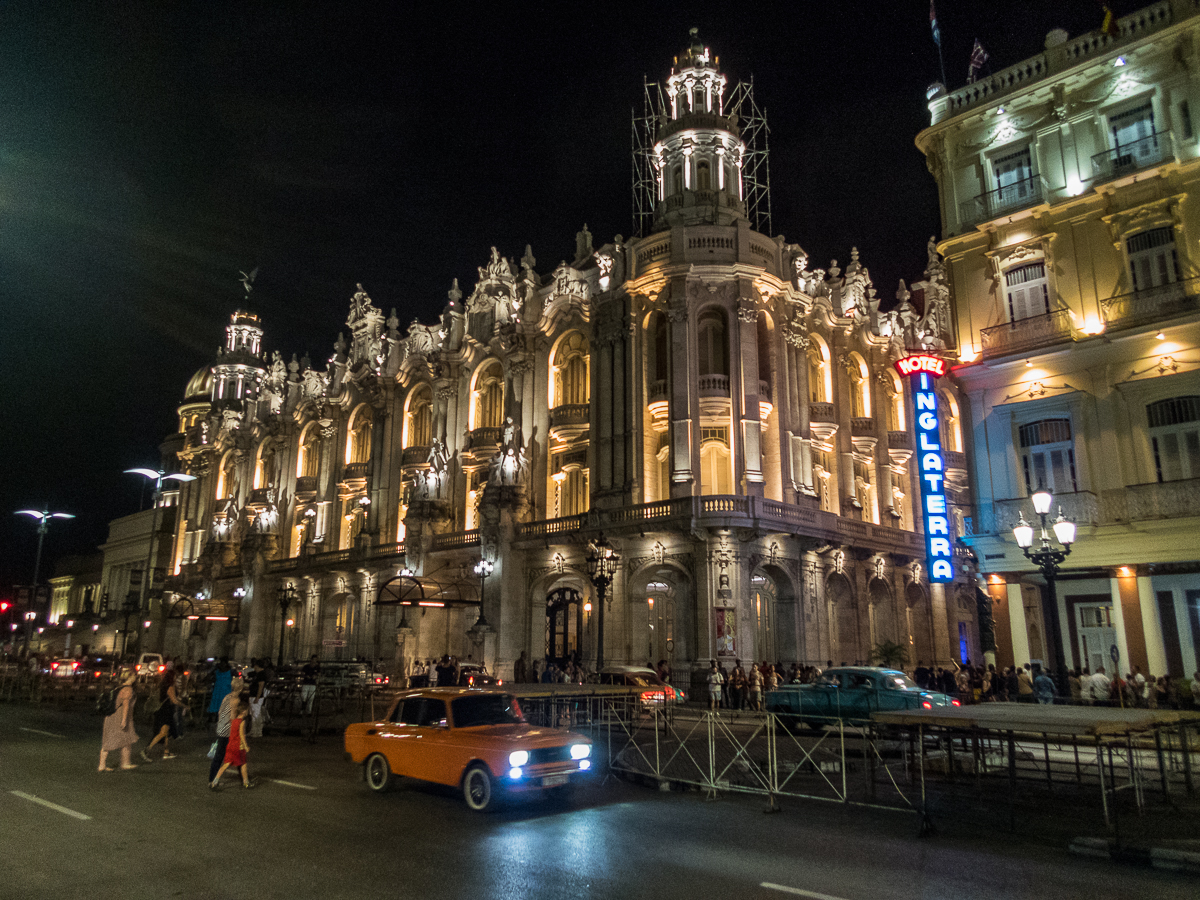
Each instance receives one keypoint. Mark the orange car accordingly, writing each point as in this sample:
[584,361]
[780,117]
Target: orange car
[473,739]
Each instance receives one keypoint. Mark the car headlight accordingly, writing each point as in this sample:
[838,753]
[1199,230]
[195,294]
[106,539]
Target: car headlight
[581,751]
[518,758]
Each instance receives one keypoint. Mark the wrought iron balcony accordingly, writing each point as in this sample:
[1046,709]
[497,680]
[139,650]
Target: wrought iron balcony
[1009,198]
[1026,334]
[1125,159]
[1152,304]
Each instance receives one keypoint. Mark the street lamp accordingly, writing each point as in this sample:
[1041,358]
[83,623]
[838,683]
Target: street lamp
[287,596]
[601,568]
[483,569]
[158,478]
[1049,559]
[43,517]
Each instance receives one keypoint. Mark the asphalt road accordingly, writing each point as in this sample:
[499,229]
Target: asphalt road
[311,829]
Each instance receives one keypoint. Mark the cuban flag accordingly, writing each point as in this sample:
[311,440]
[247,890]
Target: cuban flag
[937,34]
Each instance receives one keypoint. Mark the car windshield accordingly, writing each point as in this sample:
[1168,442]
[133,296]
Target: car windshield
[485,709]
[899,681]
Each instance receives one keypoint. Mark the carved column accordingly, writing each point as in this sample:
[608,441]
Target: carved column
[683,395]
[747,398]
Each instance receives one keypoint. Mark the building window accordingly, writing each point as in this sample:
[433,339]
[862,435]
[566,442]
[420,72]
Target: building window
[714,349]
[419,424]
[1048,456]
[1134,141]
[489,398]
[715,461]
[358,441]
[1028,291]
[308,460]
[1014,179]
[818,370]
[1185,121]
[570,372]
[1153,261]
[1175,437]
[703,177]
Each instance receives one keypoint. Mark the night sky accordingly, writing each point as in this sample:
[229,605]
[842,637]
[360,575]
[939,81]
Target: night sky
[149,151]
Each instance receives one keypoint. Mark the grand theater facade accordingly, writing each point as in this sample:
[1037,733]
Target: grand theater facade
[727,419]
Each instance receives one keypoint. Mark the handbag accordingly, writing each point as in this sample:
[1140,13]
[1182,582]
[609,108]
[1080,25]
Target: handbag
[212,751]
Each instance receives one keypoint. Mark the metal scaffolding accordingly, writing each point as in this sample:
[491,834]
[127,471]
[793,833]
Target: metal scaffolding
[756,171]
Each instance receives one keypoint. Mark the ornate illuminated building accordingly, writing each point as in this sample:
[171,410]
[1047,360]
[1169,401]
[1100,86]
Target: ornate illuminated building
[1070,244]
[727,417]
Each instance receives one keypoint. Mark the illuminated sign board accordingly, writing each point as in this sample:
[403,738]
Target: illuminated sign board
[931,467]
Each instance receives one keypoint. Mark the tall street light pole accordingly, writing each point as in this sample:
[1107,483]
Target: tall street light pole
[1049,559]
[602,568]
[44,516]
[158,478]
[287,596]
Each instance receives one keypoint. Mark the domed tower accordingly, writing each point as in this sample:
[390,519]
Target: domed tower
[697,151]
[238,372]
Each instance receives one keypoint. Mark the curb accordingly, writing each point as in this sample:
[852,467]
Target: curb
[1153,857]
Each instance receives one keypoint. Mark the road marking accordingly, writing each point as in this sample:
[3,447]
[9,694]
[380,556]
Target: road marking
[39,731]
[799,892]
[304,787]
[49,805]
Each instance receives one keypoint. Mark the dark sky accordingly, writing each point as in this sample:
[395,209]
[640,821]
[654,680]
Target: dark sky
[148,151]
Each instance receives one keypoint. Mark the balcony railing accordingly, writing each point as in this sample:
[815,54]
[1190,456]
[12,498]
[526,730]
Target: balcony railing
[415,456]
[1025,334]
[1018,195]
[1165,500]
[714,385]
[484,437]
[899,440]
[306,484]
[821,412]
[1081,507]
[356,470]
[1126,159]
[569,414]
[1152,304]
[657,391]
[862,426]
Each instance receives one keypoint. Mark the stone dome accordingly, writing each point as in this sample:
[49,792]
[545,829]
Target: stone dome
[199,387]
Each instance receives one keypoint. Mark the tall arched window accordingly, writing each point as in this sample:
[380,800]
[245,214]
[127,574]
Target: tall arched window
[703,176]
[677,180]
[264,465]
[358,440]
[659,367]
[818,372]
[951,424]
[488,409]
[418,423]
[716,469]
[227,477]
[712,343]
[895,402]
[570,371]
[764,350]
[860,387]
[308,460]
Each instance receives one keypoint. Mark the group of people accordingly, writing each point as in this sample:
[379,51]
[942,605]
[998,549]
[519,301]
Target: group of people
[235,705]
[743,688]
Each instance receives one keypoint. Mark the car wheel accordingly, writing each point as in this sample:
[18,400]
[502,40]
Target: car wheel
[477,788]
[378,772]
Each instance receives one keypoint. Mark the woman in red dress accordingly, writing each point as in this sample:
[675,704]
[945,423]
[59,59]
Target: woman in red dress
[237,748]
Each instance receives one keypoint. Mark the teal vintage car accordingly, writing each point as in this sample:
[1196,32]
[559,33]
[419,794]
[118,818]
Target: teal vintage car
[851,694]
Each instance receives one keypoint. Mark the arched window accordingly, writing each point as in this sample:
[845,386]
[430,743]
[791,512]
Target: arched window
[951,424]
[764,350]
[860,387]
[1175,437]
[358,439]
[227,477]
[818,372]
[716,470]
[264,465]
[570,371]
[488,411]
[308,460]
[712,343]
[895,403]
[703,176]
[677,180]
[660,343]
[418,424]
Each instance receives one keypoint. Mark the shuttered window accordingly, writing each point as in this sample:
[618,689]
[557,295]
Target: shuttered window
[1028,291]
[1048,456]
[1175,437]
[1153,261]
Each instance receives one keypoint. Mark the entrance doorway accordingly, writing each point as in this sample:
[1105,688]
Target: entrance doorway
[564,623]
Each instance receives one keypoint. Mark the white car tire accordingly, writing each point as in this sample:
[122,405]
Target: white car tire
[478,789]
[377,773]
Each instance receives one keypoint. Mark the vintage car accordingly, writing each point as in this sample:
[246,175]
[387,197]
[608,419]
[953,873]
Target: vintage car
[472,739]
[851,694]
[654,691]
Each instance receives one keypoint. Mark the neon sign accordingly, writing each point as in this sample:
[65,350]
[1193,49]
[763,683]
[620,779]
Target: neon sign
[930,465]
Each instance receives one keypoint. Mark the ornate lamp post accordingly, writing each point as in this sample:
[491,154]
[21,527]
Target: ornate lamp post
[287,596]
[43,517]
[1049,559]
[602,568]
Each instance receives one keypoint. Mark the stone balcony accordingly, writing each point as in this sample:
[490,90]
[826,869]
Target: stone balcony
[415,456]
[822,421]
[569,421]
[306,484]
[356,471]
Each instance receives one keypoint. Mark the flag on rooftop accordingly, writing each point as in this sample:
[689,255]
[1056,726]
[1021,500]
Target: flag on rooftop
[978,57]
[937,34]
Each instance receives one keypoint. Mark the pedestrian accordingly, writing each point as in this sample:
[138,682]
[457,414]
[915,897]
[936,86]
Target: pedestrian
[755,681]
[164,716]
[520,669]
[222,677]
[738,685]
[237,747]
[1043,687]
[258,695]
[1024,685]
[118,727]
[224,717]
[309,673]
[1098,688]
[715,680]
[1075,683]
[724,695]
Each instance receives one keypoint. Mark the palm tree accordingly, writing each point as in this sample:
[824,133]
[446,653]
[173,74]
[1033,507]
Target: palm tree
[889,655]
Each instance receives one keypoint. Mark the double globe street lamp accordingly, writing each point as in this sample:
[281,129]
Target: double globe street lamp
[1049,559]
[602,563]
[43,516]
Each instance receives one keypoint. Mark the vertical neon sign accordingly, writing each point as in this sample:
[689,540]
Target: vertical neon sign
[930,465]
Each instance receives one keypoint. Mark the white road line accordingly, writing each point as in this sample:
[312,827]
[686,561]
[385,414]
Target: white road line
[49,805]
[304,787]
[799,892]
[39,731]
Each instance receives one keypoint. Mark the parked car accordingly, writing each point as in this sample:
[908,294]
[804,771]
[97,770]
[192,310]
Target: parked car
[473,675]
[851,694]
[149,665]
[655,691]
[64,668]
[475,740]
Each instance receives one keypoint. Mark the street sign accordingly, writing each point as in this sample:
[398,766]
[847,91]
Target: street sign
[1116,656]
[333,643]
